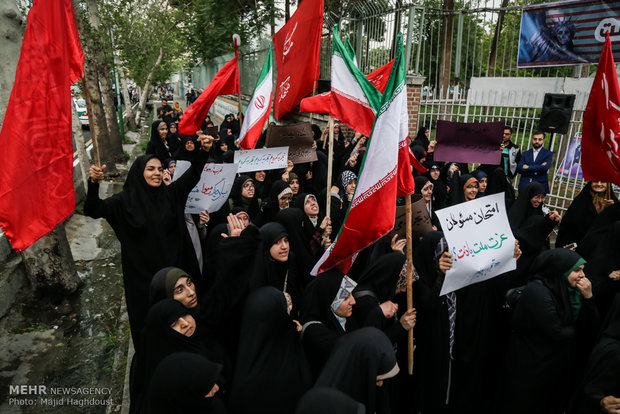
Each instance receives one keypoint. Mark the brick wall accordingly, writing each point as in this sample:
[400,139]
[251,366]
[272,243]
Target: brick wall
[414,93]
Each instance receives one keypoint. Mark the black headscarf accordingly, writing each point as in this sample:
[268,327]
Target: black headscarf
[601,375]
[328,400]
[498,183]
[162,285]
[159,340]
[180,383]
[271,205]
[360,359]
[522,208]
[156,145]
[457,190]
[377,285]
[598,229]
[604,260]
[183,154]
[318,297]
[579,217]
[139,200]
[440,192]
[294,221]
[421,139]
[250,205]
[382,276]
[272,372]
[173,138]
[552,268]
[268,271]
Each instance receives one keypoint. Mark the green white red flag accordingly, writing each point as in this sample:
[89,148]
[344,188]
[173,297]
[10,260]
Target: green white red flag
[259,107]
[376,191]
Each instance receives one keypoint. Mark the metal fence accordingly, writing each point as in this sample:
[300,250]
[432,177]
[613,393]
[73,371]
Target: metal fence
[477,48]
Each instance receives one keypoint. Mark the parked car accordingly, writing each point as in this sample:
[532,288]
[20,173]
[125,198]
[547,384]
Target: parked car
[80,107]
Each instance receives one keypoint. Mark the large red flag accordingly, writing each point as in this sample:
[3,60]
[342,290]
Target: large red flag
[36,189]
[321,103]
[297,45]
[225,82]
[600,156]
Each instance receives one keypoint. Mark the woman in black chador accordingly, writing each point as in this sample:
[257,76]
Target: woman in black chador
[554,314]
[158,144]
[600,388]
[361,361]
[272,372]
[592,199]
[147,218]
[185,383]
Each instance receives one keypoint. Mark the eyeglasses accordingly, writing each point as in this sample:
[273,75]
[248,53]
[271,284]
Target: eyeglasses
[507,134]
[248,185]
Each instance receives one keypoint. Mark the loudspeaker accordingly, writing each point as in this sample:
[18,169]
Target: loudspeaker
[556,112]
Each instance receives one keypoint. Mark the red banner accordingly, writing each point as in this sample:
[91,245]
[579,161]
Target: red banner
[36,190]
[225,82]
[298,45]
[600,156]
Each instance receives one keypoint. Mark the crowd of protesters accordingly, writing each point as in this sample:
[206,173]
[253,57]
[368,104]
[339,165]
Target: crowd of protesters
[225,316]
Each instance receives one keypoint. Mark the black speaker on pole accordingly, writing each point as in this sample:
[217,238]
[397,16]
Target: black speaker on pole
[556,112]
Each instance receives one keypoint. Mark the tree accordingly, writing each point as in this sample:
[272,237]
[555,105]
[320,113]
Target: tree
[213,22]
[96,85]
[150,40]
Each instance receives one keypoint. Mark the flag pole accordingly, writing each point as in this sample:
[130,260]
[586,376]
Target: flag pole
[313,94]
[410,347]
[237,42]
[330,162]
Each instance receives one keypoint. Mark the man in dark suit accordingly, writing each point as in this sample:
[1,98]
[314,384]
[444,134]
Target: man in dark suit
[535,163]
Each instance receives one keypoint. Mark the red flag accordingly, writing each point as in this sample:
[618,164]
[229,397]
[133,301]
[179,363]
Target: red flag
[297,45]
[225,82]
[36,189]
[318,104]
[321,103]
[600,156]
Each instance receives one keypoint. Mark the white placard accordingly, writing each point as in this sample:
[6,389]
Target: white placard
[262,159]
[480,240]
[181,168]
[212,190]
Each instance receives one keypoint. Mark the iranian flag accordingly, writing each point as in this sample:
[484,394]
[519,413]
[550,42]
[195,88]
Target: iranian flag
[259,107]
[376,191]
[354,99]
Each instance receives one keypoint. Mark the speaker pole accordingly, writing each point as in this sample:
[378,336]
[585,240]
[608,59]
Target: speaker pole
[552,141]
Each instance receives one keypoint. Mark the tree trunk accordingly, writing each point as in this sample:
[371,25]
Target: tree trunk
[147,87]
[107,150]
[446,56]
[128,106]
[49,265]
[495,42]
[446,52]
[103,73]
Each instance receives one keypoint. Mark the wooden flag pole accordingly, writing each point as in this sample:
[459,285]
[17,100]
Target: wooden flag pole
[330,162]
[408,221]
[313,94]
